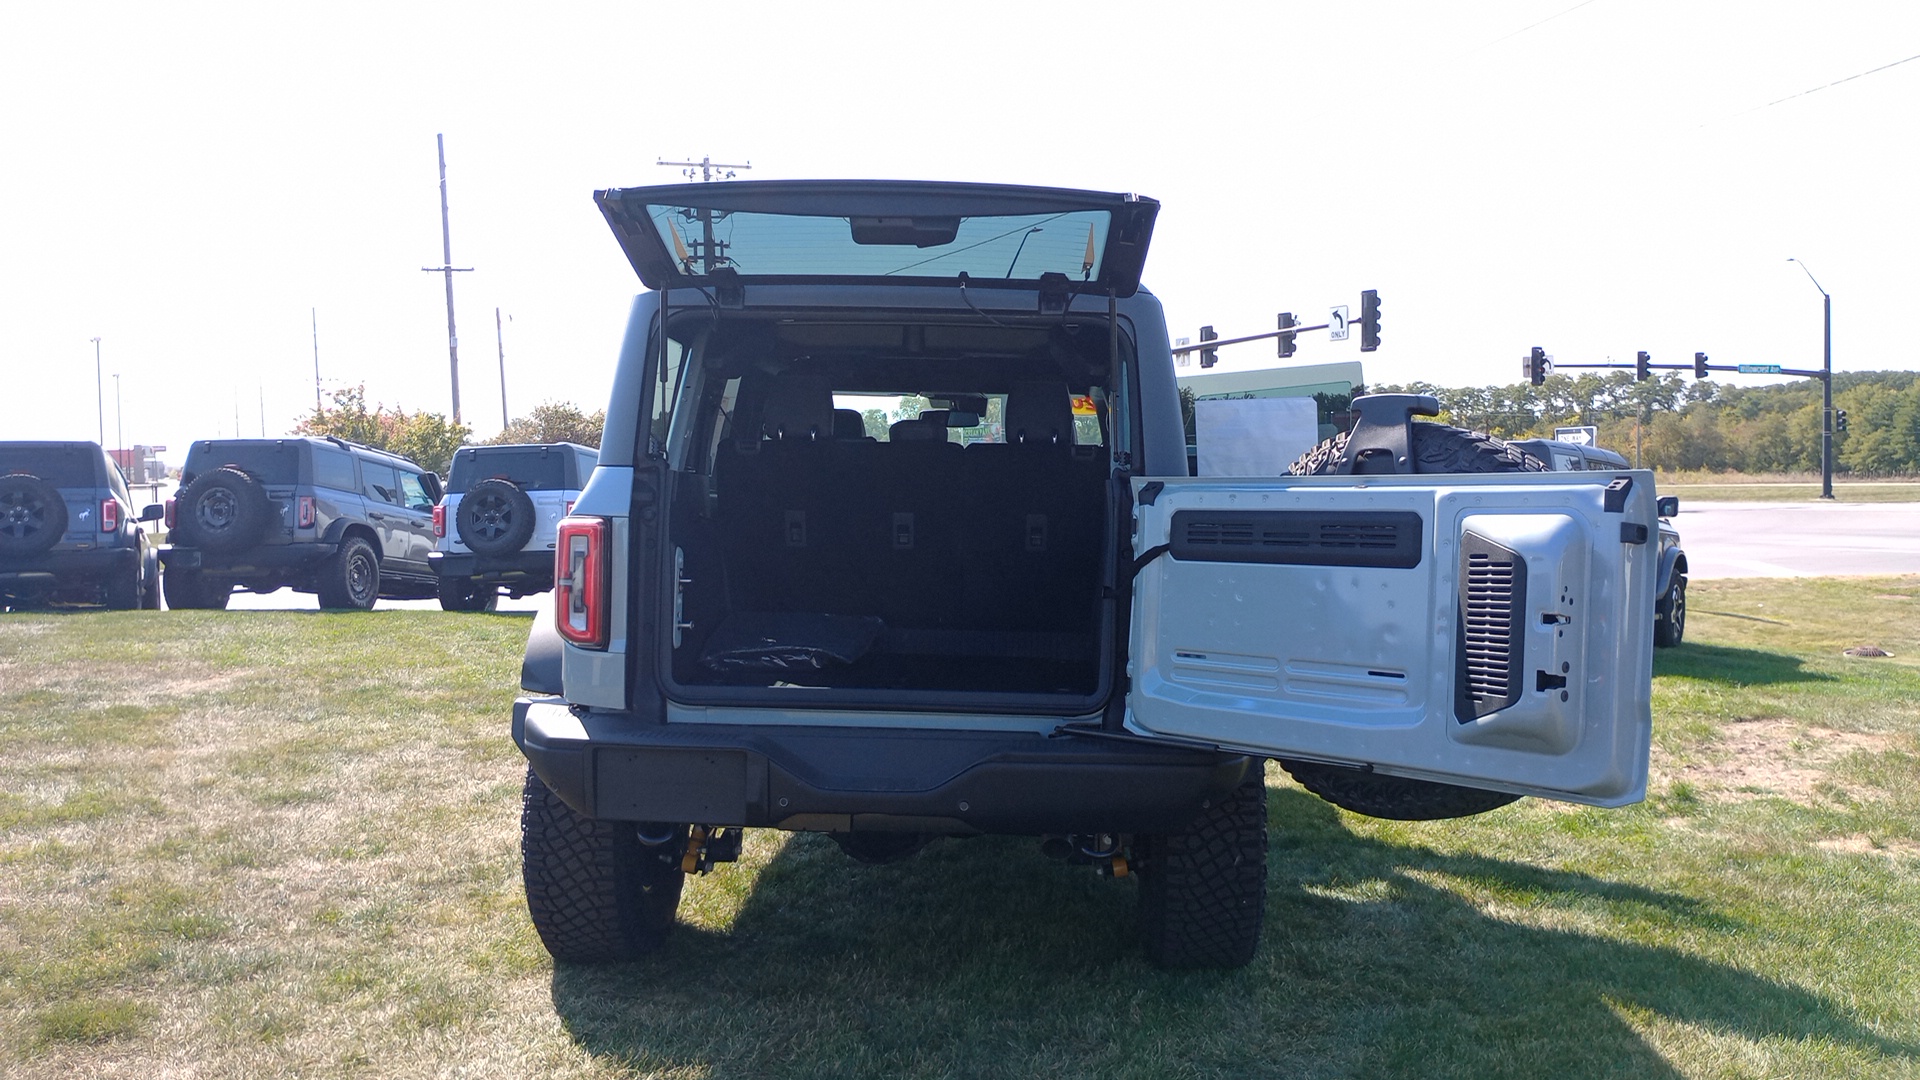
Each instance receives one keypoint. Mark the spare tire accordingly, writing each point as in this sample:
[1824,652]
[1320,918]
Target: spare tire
[33,516]
[1437,448]
[222,510]
[495,518]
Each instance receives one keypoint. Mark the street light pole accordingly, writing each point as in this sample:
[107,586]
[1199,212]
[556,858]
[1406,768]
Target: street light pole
[119,417]
[1826,383]
[99,391]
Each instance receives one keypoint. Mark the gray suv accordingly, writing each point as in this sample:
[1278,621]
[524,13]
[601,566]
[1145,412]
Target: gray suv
[346,522]
[892,539]
[68,531]
[497,524]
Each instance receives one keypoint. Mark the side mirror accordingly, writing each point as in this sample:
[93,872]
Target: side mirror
[1667,505]
[153,512]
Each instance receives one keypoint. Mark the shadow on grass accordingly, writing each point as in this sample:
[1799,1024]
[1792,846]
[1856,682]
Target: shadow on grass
[1733,667]
[981,958]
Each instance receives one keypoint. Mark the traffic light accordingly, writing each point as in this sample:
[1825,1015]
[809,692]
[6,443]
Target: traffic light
[1699,365]
[1208,357]
[1839,419]
[1535,365]
[1286,339]
[1369,321]
[1640,371]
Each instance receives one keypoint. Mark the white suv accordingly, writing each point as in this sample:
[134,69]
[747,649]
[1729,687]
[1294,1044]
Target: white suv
[496,526]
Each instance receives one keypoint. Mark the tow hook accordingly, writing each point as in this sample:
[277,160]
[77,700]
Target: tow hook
[707,845]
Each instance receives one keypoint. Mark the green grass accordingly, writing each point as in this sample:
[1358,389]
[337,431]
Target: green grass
[1783,487]
[285,844]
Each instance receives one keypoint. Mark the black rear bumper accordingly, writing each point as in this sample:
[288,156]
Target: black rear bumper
[257,559]
[534,568]
[51,570]
[834,779]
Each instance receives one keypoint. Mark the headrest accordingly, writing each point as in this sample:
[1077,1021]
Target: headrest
[847,424]
[798,410]
[931,426]
[1040,413]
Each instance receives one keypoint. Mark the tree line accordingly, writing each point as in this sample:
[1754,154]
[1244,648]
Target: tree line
[1683,424]
[430,439]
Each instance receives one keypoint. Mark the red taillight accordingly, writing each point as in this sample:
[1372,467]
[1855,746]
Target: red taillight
[303,515]
[170,505]
[439,521]
[580,582]
[109,516]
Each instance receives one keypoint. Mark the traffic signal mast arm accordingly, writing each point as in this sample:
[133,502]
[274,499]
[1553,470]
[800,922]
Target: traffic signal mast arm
[1181,350]
[1744,369]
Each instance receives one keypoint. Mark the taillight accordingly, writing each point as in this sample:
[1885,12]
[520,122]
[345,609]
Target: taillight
[580,582]
[303,515]
[170,505]
[439,521]
[109,516]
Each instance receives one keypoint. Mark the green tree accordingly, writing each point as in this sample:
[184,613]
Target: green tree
[554,421]
[426,438]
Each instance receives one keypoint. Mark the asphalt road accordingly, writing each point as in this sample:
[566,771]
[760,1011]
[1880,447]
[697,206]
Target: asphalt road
[1810,539]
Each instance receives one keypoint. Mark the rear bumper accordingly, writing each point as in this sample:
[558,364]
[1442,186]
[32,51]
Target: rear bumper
[255,560]
[53,569]
[612,765]
[519,567]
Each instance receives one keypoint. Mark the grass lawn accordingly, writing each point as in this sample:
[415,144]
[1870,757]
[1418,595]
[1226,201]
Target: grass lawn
[1783,487]
[285,844]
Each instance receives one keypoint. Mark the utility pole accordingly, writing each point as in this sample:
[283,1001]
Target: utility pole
[712,250]
[315,313]
[99,390]
[447,268]
[501,341]
[119,418]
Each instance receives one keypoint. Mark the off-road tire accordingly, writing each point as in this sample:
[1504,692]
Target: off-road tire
[351,578]
[466,594]
[595,892]
[223,510]
[1393,797]
[188,590]
[1437,448]
[494,518]
[33,516]
[1669,628]
[1203,892]
[123,591]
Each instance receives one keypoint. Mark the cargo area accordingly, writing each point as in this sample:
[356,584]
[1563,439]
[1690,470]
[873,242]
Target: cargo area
[916,506]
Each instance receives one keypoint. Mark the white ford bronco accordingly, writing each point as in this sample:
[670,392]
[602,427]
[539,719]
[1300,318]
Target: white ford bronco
[892,539]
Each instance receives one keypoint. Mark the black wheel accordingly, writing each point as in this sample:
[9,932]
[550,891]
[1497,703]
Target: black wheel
[596,891]
[466,594]
[1393,797]
[123,591]
[33,516]
[1669,628]
[495,518]
[1437,448]
[222,510]
[187,589]
[150,584]
[1203,892]
[351,578]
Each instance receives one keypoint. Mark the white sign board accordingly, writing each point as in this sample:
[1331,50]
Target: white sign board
[1578,436]
[1253,436]
[1337,324]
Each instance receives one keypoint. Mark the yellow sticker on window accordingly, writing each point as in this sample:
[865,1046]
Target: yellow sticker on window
[1083,406]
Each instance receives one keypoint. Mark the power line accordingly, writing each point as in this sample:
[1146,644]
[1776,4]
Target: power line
[1828,86]
[1542,22]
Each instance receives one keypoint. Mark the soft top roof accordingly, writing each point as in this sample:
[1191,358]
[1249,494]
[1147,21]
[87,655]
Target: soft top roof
[881,231]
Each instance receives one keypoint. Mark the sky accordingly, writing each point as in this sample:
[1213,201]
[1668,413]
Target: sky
[200,186]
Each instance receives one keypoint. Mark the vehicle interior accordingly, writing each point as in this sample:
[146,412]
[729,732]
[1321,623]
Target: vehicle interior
[869,506]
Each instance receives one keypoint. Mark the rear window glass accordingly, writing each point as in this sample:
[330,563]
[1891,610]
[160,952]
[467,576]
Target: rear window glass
[61,466]
[273,464]
[531,469]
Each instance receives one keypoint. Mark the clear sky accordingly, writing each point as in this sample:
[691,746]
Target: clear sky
[189,182]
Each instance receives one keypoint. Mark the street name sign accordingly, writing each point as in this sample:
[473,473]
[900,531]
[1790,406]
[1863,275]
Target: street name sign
[1759,369]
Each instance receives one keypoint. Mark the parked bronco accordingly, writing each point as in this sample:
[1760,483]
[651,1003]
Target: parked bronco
[68,532]
[496,527]
[892,539]
[319,515]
